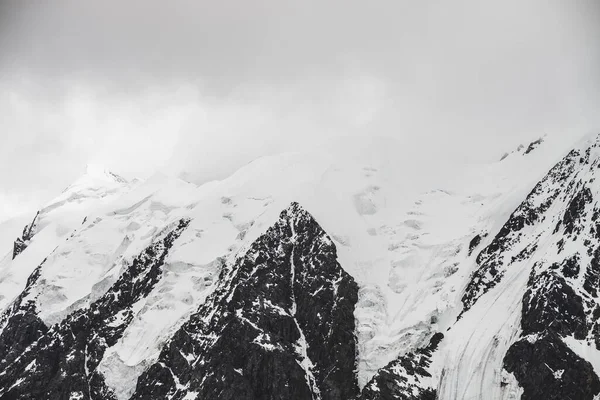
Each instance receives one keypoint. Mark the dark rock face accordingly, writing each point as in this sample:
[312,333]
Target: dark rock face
[60,363]
[492,260]
[570,267]
[19,324]
[22,242]
[572,219]
[279,326]
[280,323]
[405,377]
[560,299]
[475,242]
[550,304]
[547,369]
[18,247]
[534,145]
[592,275]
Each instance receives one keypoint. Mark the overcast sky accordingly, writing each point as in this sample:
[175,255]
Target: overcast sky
[206,86]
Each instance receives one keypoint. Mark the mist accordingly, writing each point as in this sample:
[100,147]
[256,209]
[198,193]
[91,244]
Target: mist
[198,88]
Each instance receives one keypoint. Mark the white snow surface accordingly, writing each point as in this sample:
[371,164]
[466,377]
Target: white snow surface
[405,246]
[469,364]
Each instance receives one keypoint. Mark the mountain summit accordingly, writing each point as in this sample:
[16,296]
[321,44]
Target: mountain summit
[97,171]
[308,276]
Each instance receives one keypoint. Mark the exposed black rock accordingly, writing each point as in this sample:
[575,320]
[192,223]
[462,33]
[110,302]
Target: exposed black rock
[591,281]
[525,253]
[61,362]
[475,242]
[19,324]
[491,260]
[534,145]
[280,325]
[404,377]
[570,267]
[556,304]
[544,366]
[521,148]
[550,304]
[22,242]
[572,218]
[547,369]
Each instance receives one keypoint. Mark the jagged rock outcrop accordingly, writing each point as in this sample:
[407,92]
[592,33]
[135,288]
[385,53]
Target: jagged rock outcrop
[211,309]
[406,378]
[555,233]
[61,362]
[493,260]
[22,242]
[19,324]
[279,326]
[549,369]
[534,145]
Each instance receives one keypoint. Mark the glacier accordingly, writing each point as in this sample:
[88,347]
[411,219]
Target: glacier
[442,277]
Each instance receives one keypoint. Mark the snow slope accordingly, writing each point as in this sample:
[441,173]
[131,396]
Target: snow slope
[55,224]
[517,297]
[408,250]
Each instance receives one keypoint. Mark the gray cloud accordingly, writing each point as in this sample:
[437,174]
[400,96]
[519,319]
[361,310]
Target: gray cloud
[206,86]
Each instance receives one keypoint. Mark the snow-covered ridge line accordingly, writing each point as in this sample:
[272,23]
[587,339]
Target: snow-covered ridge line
[74,347]
[491,260]
[22,242]
[535,283]
[263,315]
[410,252]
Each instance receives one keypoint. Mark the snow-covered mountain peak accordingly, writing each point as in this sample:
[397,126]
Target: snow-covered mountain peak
[207,263]
[534,288]
[96,182]
[98,171]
